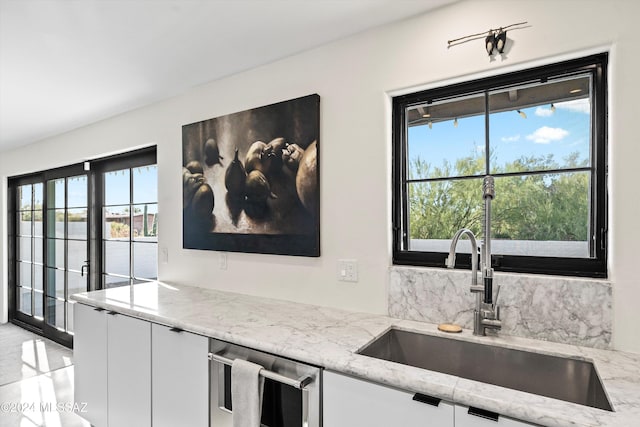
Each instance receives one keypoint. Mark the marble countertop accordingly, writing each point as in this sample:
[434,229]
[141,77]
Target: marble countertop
[329,337]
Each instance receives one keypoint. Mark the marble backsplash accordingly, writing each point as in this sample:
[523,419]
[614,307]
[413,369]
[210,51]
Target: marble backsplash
[566,310]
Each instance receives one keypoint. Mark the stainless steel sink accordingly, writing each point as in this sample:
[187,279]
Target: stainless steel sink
[567,379]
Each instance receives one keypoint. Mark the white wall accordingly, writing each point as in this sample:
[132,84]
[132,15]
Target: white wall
[354,78]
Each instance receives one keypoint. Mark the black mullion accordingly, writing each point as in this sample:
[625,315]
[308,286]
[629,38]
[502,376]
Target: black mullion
[487,148]
[33,239]
[33,249]
[543,172]
[52,239]
[130,226]
[447,178]
[66,253]
[400,186]
[504,174]
[99,228]
[33,287]
[88,232]
[13,227]
[600,187]
[594,239]
[406,228]
[45,244]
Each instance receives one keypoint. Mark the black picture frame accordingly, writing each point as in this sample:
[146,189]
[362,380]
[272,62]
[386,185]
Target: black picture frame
[274,208]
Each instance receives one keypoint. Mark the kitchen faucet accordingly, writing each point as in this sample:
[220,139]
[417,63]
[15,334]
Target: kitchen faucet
[486,314]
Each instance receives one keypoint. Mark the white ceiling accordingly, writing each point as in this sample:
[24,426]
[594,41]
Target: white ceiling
[68,63]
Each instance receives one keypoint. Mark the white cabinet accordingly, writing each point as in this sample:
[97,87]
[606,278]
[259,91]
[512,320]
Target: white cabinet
[128,371]
[180,378]
[112,358]
[90,362]
[352,402]
[474,418]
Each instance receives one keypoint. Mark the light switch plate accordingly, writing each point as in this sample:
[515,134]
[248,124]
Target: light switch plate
[348,270]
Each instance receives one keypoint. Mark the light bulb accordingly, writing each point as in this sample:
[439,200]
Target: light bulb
[455,123]
[553,108]
[430,124]
[522,114]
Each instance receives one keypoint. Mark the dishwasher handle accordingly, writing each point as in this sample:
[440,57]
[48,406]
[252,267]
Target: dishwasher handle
[300,383]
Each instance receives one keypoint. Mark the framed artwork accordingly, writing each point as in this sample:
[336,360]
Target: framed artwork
[251,180]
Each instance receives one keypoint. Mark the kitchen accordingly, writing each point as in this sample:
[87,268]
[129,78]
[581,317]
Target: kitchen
[356,77]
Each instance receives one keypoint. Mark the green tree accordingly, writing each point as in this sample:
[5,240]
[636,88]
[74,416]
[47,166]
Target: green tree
[528,207]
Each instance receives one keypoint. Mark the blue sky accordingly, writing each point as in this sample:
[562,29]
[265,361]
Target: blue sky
[145,189]
[145,186]
[560,132]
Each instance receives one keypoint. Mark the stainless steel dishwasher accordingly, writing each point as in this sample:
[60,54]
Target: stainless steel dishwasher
[292,390]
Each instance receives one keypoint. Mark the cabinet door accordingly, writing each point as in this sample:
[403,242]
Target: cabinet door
[352,402]
[180,378]
[129,371]
[475,418]
[90,363]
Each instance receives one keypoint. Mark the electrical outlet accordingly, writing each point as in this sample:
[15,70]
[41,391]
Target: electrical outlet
[348,270]
[223,260]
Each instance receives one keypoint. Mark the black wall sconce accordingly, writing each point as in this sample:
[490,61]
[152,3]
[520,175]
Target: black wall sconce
[495,41]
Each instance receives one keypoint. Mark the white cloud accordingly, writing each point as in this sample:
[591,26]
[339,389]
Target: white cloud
[543,112]
[576,105]
[513,138]
[545,135]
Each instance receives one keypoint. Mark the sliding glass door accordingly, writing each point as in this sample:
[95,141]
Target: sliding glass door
[88,226]
[67,250]
[51,232]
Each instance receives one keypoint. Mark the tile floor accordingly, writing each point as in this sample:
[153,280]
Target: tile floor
[36,381]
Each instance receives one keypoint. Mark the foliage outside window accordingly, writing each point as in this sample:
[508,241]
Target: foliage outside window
[541,134]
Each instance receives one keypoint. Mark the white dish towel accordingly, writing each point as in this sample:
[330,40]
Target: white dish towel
[246,393]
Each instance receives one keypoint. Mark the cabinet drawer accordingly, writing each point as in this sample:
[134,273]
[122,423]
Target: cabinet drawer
[351,402]
[478,418]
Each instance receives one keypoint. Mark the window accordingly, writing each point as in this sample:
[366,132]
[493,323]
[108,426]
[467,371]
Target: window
[128,200]
[541,134]
[57,234]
